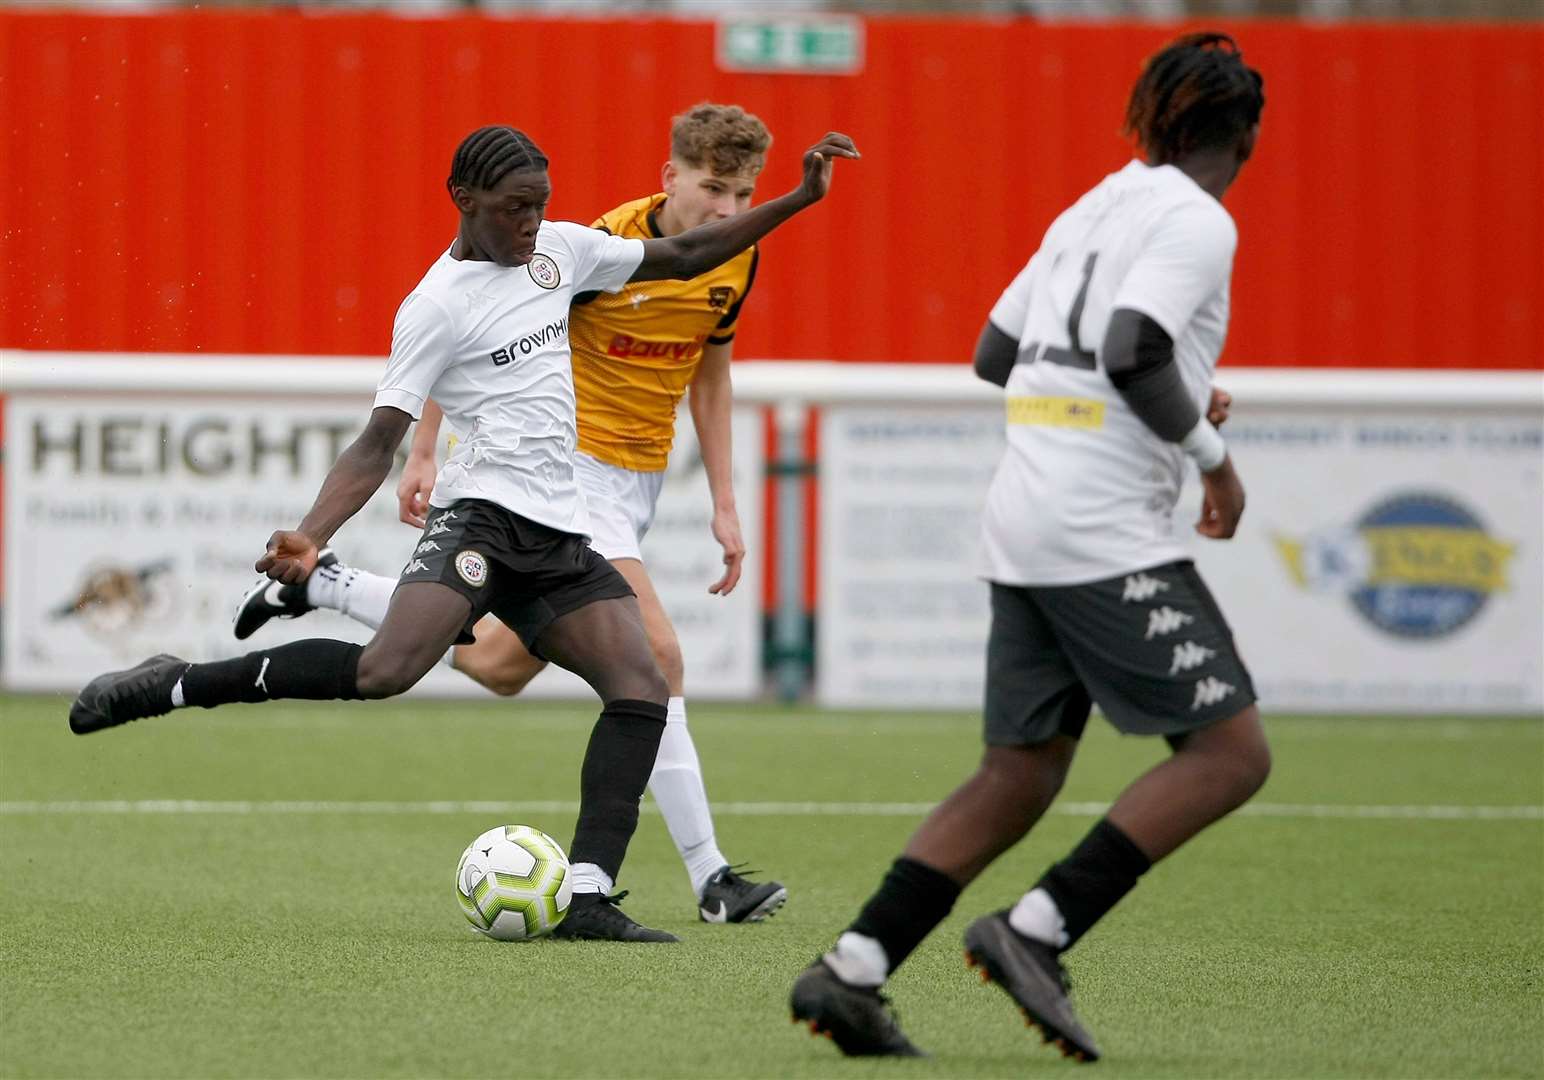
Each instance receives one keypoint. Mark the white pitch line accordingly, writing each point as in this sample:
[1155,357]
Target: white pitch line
[735,809]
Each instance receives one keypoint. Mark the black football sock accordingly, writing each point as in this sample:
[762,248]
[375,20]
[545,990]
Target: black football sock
[1092,879]
[318,669]
[617,765]
[911,901]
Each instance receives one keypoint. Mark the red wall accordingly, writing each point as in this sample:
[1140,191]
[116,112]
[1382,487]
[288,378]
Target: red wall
[273,182]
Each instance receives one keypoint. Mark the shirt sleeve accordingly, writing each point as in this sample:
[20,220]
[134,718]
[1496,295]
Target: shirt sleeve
[602,261]
[1011,311]
[724,332]
[422,346]
[1187,258]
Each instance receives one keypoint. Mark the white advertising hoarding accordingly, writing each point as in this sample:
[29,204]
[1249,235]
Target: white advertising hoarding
[1390,559]
[131,523]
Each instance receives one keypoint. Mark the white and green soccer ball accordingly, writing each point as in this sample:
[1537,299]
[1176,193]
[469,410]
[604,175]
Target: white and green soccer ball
[513,882]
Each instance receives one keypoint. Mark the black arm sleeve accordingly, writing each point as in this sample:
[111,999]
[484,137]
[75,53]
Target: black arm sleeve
[1138,356]
[996,353]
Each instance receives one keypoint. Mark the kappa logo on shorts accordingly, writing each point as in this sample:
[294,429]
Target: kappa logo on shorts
[1140,587]
[543,271]
[1190,655]
[1165,620]
[440,526]
[473,568]
[414,566]
[426,546]
[1209,691]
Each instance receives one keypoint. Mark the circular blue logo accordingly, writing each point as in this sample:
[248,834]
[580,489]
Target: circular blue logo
[1433,566]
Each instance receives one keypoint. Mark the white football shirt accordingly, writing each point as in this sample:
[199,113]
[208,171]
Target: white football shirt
[1085,490]
[489,344]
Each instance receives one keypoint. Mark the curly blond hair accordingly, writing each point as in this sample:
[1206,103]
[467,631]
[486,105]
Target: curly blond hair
[724,138]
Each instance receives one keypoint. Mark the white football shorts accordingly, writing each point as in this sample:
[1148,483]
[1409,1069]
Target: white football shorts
[621,503]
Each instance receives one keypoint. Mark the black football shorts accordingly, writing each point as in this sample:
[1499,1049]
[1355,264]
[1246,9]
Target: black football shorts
[525,573]
[1150,648]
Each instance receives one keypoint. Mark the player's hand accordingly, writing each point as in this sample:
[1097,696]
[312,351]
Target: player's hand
[818,161]
[1222,502]
[290,558]
[726,530]
[413,490]
[1218,407]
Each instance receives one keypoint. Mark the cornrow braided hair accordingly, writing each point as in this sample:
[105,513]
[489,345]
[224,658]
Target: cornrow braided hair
[1194,93]
[488,154]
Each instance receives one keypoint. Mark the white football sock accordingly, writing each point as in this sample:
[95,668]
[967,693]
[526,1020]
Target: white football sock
[359,594]
[1037,916]
[858,960]
[590,878]
[677,787]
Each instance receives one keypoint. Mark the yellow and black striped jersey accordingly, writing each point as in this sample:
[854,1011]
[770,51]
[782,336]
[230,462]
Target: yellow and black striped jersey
[636,351]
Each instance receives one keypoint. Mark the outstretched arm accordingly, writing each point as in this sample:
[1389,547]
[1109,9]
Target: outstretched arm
[699,250]
[353,478]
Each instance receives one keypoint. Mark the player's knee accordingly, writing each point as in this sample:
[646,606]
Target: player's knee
[667,654]
[382,677]
[644,681]
[505,683]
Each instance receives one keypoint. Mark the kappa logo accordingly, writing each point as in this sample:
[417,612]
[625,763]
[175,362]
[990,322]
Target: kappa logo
[415,566]
[426,546]
[1190,655]
[1165,620]
[473,568]
[1141,587]
[476,298]
[440,526]
[1209,691]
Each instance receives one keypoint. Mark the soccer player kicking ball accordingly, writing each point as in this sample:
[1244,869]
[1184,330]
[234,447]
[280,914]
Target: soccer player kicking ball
[635,353]
[485,334]
[1106,343]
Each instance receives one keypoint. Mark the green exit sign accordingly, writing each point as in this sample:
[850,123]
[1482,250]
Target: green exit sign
[812,45]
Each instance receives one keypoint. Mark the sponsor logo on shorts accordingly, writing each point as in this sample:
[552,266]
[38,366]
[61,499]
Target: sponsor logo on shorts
[1188,656]
[473,568]
[1209,691]
[1141,588]
[415,566]
[1164,621]
[1416,565]
[543,271]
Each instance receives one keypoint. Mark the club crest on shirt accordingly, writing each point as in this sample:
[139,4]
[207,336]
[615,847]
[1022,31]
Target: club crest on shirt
[543,271]
[473,568]
[718,296]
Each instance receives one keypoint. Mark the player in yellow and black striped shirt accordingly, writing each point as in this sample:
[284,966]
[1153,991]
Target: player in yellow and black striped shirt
[636,354]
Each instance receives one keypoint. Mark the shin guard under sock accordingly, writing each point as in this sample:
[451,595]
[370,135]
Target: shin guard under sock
[616,769]
[318,669]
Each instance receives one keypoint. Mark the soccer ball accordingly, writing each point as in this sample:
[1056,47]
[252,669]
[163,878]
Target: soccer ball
[513,882]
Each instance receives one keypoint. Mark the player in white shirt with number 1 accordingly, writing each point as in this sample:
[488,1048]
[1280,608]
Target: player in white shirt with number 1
[1105,343]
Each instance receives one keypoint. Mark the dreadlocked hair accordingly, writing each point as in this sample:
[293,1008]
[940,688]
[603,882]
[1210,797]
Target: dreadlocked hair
[1195,93]
[488,154]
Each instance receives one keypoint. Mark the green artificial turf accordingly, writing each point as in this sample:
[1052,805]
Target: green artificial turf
[253,936]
